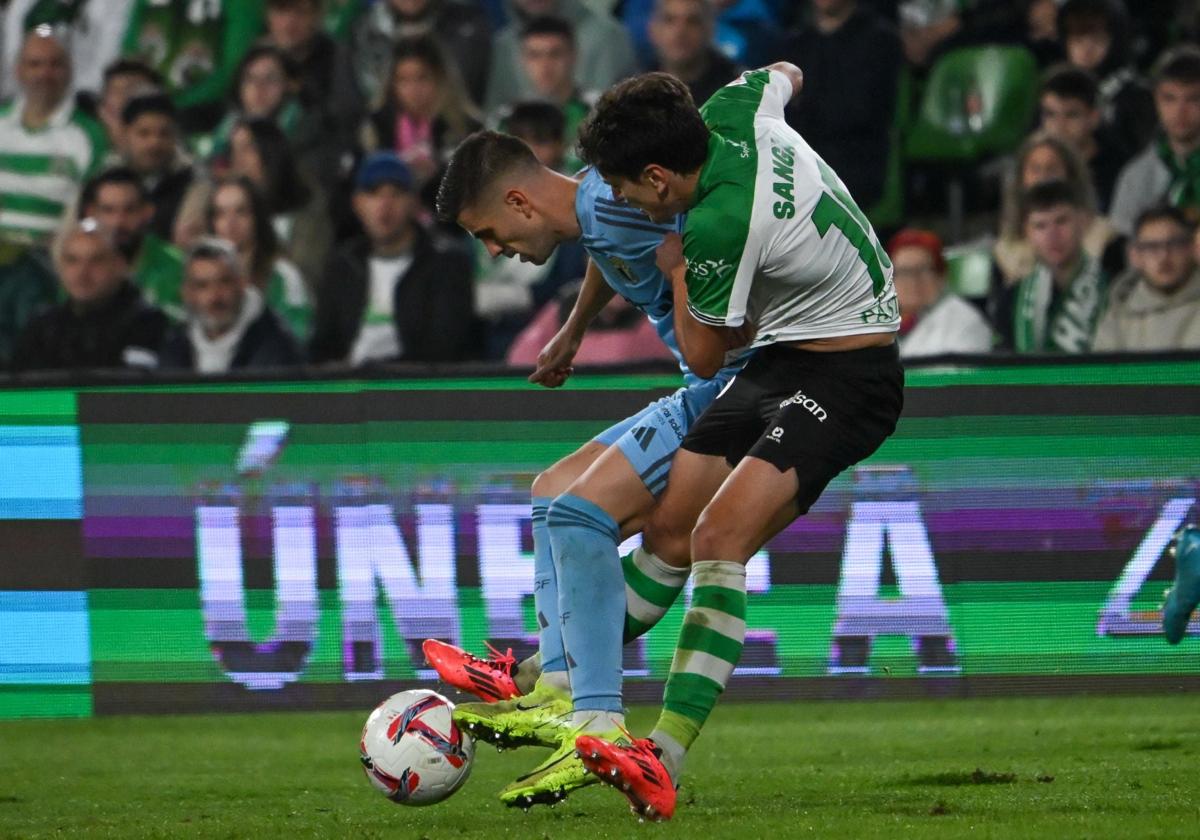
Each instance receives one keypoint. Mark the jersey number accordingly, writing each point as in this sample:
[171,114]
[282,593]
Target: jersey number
[839,211]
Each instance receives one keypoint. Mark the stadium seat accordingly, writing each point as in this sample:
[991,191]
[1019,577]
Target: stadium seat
[969,270]
[978,102]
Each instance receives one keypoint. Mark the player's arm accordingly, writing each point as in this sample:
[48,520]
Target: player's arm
[794,75]
[554,362]
[703,345]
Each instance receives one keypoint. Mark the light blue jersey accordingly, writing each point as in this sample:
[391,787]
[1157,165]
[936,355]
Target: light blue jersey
[621,241]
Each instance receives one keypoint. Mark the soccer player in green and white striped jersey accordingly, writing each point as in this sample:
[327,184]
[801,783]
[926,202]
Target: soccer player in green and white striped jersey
[772,242]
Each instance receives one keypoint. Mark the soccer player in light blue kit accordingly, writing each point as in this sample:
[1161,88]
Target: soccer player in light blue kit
[586,503]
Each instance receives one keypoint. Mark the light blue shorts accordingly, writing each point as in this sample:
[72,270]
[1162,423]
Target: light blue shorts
[650,438]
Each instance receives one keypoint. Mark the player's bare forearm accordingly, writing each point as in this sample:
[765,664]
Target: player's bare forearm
[594,295]
[795,74]
[554,362]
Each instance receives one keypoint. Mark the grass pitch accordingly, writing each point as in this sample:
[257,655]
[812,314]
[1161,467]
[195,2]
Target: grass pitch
[1059,768]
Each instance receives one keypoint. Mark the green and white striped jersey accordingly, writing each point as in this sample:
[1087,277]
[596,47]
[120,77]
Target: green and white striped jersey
[774,237]
[41,170]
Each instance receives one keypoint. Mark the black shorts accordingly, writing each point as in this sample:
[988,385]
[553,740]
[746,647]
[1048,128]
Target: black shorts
[816,413]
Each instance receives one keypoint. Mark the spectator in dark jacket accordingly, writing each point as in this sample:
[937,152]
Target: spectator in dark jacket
[851,60]
[1070,110]
[1096,36]
[104,321]
[151,143]
[681,32]
[229,326]
[399,292]
[294,26]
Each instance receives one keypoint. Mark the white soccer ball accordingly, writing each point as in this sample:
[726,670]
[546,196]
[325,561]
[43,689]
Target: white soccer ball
[412,751]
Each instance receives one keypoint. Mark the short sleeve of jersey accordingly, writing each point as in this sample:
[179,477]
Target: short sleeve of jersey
[734,106]
[714,243]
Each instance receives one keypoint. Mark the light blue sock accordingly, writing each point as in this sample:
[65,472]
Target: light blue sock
[545,591]
[591,600]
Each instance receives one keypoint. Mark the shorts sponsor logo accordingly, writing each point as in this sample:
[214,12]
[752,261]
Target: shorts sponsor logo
[776,434]
[808,404]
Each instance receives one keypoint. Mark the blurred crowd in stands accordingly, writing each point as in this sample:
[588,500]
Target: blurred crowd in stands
[212,185]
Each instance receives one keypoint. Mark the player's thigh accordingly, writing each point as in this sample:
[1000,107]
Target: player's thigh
[754,503]
[555,479]
[695,478]
[626,479]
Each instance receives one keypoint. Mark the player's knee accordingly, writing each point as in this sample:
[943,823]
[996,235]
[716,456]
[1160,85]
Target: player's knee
[668,540]
[549,483]
[714,540]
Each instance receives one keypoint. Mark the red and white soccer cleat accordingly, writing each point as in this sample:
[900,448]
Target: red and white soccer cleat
[632,768]
[488,679]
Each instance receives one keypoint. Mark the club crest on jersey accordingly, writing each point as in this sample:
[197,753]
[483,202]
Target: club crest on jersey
[623,267]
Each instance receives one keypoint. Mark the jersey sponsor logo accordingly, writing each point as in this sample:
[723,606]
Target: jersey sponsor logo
[808,404]
[882,312]
[783,161]
[709,268]
[741,145]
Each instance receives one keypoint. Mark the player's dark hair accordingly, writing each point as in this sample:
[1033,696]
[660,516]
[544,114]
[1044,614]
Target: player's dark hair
[120,175]
[1048,195]
[647,119]
[1067,81]
[476,164]
[1162,213]
[540,122]
[549,25]
[1179,64]
[132,67]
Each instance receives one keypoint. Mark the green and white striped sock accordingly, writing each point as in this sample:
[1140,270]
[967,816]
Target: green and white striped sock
[709,647]
[651,587]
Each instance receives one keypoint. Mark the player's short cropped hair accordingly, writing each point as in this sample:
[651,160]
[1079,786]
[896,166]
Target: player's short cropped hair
[549,25]
[120,175]
[1066,81]
[477,163]
[1161,213]
[539,122]
[1047,196]
[647,119]
[1179,64]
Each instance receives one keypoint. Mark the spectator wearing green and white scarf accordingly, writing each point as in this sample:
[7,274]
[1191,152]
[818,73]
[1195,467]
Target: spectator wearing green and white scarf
[1168,170]
[1056,307]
